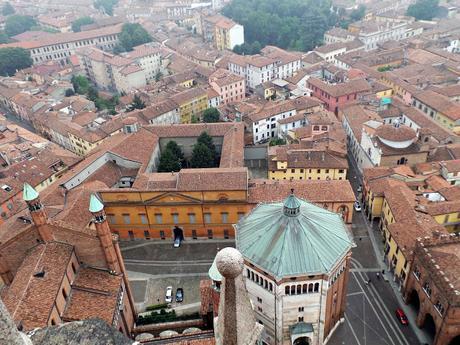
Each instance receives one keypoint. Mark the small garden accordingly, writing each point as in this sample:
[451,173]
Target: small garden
[162,315]
[204,155]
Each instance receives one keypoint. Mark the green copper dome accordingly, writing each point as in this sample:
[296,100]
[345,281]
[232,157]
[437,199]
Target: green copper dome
[29,193]
[293,238]
[95,205]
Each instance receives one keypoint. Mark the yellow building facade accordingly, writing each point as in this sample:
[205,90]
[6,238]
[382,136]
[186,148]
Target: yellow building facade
[450,220]
[153,215]
[393,254]
[284,173]
[194,106]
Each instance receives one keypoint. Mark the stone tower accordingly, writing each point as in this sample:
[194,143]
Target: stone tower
[37,211]
[236,323]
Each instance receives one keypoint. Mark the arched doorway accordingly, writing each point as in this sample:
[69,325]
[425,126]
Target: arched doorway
[455,340]
[302,341]
[414,300]
[429,326]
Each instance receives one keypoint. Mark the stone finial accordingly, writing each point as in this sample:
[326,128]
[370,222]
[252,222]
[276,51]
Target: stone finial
[229,262]
[236,324]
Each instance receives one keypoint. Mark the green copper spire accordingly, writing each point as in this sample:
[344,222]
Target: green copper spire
[29,193]
[214,273]
[95,205]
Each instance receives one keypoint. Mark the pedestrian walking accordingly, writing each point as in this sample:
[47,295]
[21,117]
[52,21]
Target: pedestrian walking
[378,275]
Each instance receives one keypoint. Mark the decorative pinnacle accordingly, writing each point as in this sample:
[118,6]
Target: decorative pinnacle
[29,193]
[229,262]
[95,205]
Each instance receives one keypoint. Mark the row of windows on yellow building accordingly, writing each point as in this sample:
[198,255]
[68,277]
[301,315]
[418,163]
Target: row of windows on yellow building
[194,107]
[392,251]
[307,174]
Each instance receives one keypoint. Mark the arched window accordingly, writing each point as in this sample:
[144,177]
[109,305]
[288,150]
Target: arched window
[310,287]
[316,287]
[286,290]
[299,289]
[270,287]
[292,289]
[265,283]
[304,288]
[53,323]
[248,273]
[252,276]
[257,279]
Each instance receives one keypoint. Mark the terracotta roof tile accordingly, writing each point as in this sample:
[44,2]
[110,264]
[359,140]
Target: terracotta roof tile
[94,294]
[313,191]
[31,298]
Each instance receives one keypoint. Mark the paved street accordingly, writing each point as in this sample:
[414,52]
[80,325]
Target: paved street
[370,314]
[152,266]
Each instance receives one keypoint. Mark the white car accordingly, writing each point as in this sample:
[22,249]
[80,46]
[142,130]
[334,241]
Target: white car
[177,243]
[169,294]
[357,206]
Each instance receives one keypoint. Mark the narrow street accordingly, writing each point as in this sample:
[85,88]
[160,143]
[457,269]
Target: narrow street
[370,314]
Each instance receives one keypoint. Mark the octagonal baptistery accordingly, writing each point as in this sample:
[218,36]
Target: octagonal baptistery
[396,136]
[296,258]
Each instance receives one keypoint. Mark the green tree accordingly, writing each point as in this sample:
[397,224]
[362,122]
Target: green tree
[133,34]
[93,95]
[77,24]
[3,38]
[202,157]
[423,9]
[206,139]
[211,115]
[137,103]
[256,47]
[194,119]
[17,24]
[7,9]
[12,59]
[288,24]
[69,92]
[168,162]
[106,6]
[175,150]
[358,13]
[277,141]
[80,84]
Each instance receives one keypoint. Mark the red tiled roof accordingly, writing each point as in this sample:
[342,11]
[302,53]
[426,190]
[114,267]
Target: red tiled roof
[31,298]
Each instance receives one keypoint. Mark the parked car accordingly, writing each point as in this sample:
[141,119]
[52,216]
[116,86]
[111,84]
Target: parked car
[180,295]
[169,293]
[177,242]
[401,316]
[357,206]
